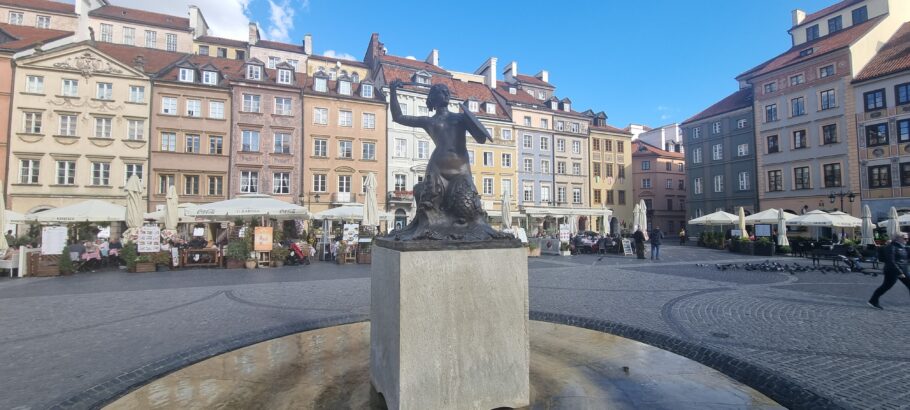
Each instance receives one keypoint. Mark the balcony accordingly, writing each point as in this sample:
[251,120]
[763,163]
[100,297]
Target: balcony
[401,196]
[344,198]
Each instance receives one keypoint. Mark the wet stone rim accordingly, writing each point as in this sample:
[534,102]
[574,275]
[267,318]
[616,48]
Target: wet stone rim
[784,390]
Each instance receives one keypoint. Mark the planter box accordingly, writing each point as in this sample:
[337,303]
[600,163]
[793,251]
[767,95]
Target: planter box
[235,264]
[565,253]
[143,267]
[764,250]
[365,258]
[534,253]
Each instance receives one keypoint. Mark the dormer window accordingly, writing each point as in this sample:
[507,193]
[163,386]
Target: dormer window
[491,108]
[254,72]
[473,106]
[344,87]
[366,90]
[567,107]
[210,77]
[421,77]
[512,90]
[284,76]
[273,61]
[540,95]
[186,75]
[320,84]
[806,52]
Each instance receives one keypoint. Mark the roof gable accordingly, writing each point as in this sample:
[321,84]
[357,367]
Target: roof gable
[83,59]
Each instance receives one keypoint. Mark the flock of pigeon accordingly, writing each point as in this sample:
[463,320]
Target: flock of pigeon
[848,266]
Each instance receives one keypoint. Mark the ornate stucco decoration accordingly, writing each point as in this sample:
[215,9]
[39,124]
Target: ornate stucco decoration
[88,65]
[99,105]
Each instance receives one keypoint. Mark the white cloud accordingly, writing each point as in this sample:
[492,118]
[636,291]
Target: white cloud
[335,54]
[281,19]
[226,18]
[665,112]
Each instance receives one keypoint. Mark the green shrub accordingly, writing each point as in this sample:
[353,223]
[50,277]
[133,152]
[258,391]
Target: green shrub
[238,249]
[785,249]
[279,253]
[130,255]
[66,264]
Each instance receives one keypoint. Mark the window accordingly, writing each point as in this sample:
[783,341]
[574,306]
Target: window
[608,170]
[717,152]
[216,145]
[832,175]
[799,139]
[137,94]
[741,124]
[401,182]
[902,93]
[250,141]
[320,84]
[770,87]
[487,186]
[645,165]
[718,183]
[561,194]
[745,183]
[273,61]
[697,184]
[527,165]
[254,72]
[344,183]
[66,172]
[771,112]
[669,184]
[506,160]
[168,141]
[573,127]
[544,123]
[319,183]
[423,149]
[545,166]
[191,184]
[903,130]
[544,143]
[103,127]
[345,118]
[798,106]
[835,24]
[70,87]
[34,84]
[801,178]
[151,39]
[860,15]
[696,155]
[193,108]
[905,174]
[527,192]
[773,144]
[32,122]
[561,145]
[238,54]
[282,143]
[284,76]
[251,102]
[527,141]
[68,125]
[401,147]
[487,159]
[775,181]
[281,183]
[135,130]
[216,109]
[368,150]
[880,176]
[622,197]
[107,33]
[829,134]
[559,125]
[366,90]
[742,150]
[170,41]
[682,185]
[826,71]
[283,106]
[877,134]
[203,50]
[29,170]
[43,22]
[368,120]
[875,100]
[576,168]
[130,170]
[797,79]
[472,106]
[576,195]
[165,181]
[576,147]
[210,77]
[827,99]
[560,167]
[249,182]
[812,32]
[646,183]
[187,75]
[345,149]
[320,147]
[715,128]
[321,116]
[169,105]
[527,121]
[344,87]
[216,185]
[105,91]
[491,109]
[595,169]
[681,167]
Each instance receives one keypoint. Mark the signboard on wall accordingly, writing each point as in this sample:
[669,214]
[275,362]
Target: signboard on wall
[762,230]
[149,239]
[351,233]
[53,240]
[262,239]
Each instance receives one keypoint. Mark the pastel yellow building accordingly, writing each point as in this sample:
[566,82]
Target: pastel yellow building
[336,67]
[494,167]
[220,47]
[610,151]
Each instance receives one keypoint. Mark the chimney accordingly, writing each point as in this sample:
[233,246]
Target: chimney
[543,75]
[433,58]
[197,22]
[510,71]
[253,34]
[798,17]
[139,63]
[308,44]
[488,71]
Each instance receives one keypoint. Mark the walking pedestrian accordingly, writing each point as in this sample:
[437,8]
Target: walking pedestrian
[656,238]
[895,255]
[682,236]
[639,238]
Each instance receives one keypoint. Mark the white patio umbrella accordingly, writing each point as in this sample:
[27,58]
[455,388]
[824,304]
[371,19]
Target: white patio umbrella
[159,216]
[768,217]
[844,220]
[134,207]
[3,243]
[636,217]
[893,223]
[171,214]
[742,223]
[902,220]
[573,224]
[92,210]
[782,228]
[250,205]
[820,219]
[605,219]
[643,210]
[371,205]
[346,212]
[716,219]
[506,210]
[868,234]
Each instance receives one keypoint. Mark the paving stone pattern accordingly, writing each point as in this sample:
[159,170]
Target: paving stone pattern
[805,340]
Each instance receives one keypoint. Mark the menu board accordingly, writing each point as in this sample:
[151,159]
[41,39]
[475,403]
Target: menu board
[762,230]
[198,231]
[626,247]
[262,239]
[53,240]
[564,232]
[350,233]
[149,239]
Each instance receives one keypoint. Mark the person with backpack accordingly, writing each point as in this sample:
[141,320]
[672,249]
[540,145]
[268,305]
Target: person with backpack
[656,237]
[894,255]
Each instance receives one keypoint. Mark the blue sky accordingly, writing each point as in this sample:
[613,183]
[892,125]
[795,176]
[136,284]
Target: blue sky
[652,61]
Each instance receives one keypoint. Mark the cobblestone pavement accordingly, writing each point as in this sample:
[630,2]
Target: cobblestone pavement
[83,337]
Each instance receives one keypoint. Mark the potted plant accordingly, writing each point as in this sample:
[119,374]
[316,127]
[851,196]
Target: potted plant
[564,249]
[236,253]
[339,255]
[533,249]
[764,247]
[784,250]
[162,260]
[66,264]
[144,264]
[278,255]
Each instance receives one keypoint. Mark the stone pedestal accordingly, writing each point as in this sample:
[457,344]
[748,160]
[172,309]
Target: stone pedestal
[449,328]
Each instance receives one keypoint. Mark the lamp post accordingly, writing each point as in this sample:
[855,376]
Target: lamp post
[841,194]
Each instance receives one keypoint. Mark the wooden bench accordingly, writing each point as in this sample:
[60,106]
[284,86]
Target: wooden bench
[10,264]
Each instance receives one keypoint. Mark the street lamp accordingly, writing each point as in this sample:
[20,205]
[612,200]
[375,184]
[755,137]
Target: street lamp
[841,194]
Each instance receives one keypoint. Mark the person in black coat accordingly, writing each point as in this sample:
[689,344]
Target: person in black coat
[656,238]
[639,238]
[895,267]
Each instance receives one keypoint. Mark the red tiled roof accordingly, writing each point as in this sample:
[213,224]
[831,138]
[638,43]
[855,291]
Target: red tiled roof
[732,102]
[154,60]
[610,128]
[142,16]
[222,41]
[533,81]
[652,150]
[821,46]
[343,61]
[333,91]
[274,45]
[45,5]
[414,64]
[892,58]
[519,97]
[237,72]
[224,65]
[26,36]
[828,10]
[460,90]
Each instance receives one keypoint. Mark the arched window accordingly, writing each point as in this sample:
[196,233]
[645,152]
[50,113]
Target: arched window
[333,73]
[355,77]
